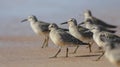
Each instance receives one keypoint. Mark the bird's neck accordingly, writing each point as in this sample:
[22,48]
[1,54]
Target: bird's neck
[73,29]
[72,26]
[54,29]
[33,20]
[87,16]
[96,32]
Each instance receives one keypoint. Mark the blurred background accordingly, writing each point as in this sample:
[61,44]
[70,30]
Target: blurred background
[57,11]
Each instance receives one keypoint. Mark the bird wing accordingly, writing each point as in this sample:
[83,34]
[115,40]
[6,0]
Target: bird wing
[100,22]
[85,32]
[44,26]
[64,29]
[110,37]
[69,38]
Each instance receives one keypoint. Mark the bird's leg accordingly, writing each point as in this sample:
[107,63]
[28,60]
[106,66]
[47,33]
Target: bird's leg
[100,56]
[100,49]
[47,39]
[75,50]
[44,43]
[88,45]
[90,48]
[67,52]
[56,53]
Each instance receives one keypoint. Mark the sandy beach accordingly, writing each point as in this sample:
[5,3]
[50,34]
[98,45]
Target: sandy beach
[26,51]
[21,47]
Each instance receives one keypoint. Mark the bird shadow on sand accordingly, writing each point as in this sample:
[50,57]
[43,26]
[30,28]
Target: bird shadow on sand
[93,55]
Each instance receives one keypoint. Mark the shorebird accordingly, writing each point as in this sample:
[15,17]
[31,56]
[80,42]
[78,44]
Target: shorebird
[96,21]
[112,53]
[99,35]
[79,32]
[40,28]
[62,38]
[112,47]
[89,24]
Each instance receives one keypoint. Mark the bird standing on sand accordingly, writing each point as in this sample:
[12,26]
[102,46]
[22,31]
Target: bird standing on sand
[99,35]
[40,28]
[62,38]
[79,33]
[111,47]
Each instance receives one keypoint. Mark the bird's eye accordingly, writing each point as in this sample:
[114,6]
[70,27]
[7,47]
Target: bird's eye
[72,19]
[52,26]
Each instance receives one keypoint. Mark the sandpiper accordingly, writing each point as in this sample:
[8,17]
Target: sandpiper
[62,38]
[111,47]
[79,32]
[96,21]
[89,24]
[98,35]
[40,28]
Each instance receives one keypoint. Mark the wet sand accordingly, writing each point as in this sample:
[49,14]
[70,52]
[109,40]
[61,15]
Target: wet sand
[26,51]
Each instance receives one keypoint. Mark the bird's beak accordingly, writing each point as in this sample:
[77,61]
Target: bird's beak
[64,23]
[24,20]
[81,23]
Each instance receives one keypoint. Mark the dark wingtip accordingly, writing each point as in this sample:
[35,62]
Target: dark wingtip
[112,31]
[109,25]
[83,43]
[112,26]
[66,29]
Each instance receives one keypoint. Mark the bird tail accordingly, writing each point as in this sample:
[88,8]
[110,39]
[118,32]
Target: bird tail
[111,31]
[110,26]
[85,44]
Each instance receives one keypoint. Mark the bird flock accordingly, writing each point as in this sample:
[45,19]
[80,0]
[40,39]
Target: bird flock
[90,31]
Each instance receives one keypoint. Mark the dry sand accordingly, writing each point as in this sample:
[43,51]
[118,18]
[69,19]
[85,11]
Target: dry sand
[22,51]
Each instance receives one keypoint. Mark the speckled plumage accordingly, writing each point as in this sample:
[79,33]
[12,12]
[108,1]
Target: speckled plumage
[112,47]
[79,32]
[110,42]
[62,38]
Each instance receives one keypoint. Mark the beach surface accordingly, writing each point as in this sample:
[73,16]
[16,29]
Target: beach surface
[26,51]
[21,47]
